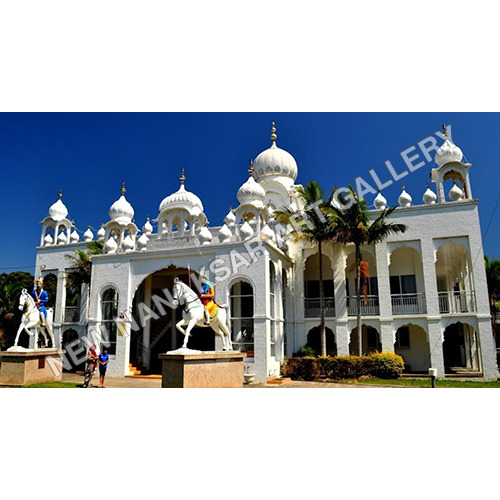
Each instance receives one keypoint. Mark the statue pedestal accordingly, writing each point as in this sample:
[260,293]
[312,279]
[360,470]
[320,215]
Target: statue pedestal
[203,370]
[31,366]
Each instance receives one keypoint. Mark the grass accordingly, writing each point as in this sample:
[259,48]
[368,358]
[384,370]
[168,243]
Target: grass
[55,385]
[422,382]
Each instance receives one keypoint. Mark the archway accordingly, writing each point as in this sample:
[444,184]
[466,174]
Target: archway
[461,350]
[70,338]
[412,345]
[370,340]
[314,340]
[311,286]
[155,321]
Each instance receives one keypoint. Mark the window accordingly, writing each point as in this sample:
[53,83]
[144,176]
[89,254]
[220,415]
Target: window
[406,284]
[403,338]
[109,313]
[272,300]
[312,289]
[241,301]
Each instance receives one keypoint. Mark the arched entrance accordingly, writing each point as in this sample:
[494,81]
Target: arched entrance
[370,340]
[155,321]
[314,340]
[461,349]
[70,338]
[412,345]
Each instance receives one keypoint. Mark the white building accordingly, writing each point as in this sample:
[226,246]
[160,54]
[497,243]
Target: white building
[427,293]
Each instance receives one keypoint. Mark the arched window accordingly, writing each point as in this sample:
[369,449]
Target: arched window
[241,300]
[109,313]
[272,299]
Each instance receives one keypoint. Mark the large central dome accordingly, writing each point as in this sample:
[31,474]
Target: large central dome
[275,162]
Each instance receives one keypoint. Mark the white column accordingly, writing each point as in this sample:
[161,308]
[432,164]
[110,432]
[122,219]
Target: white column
[383,282]
[487,348]
[435,338]
[146,332]
[342,338]
[387,336]
[430,280]
[338,264]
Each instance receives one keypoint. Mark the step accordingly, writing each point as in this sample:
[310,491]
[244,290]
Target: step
[158,377]
[278,380]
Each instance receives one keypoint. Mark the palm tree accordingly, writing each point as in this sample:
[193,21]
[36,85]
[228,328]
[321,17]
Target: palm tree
[81,271]
[493,281]
[315,229]
[352,225]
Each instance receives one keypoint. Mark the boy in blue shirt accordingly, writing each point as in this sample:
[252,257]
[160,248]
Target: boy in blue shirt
[103,365]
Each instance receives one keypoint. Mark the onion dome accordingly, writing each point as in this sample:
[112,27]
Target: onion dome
[74,237]
[142,242]
[110,246]
[128,244]
[88,235]
[182,199]
[58,210]
[147,229]
[455,193]
[101,234]
[205,236]
[380,202]
[267,233]
[448,152]
[62,238]
[429,197]
[251,191]
[48,240]
[404,198]
[230,218]
[275,161]
[246,231]
[225,233]
[121,210]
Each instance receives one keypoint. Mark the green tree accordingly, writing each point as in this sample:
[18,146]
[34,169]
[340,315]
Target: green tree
[81,264]
[493,281]
[312,226]
[352,225]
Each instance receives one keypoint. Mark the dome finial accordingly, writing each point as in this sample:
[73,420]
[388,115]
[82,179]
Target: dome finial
[273,133]
[182,177]
[250,168]
[60,194]
[123,190]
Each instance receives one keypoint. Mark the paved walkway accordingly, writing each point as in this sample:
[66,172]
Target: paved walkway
[130,383]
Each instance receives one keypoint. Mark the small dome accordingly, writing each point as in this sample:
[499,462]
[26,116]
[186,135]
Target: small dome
[205,236]
[230,218]
[447,153]
[121,210]
[404,198]
[225,234]
[380,202]
[246,231]
[275,162]
[147,228]
[128,244]
[48,240]
[429,197]
[250,192]
[455,193]
[182,199]
[62,238]
[88,235]
[142,242]
[101,234]
[75,237]
[58,210]
[110,246]
[267,233]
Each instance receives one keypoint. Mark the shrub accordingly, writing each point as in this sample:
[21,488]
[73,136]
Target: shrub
[384,365]
[305,350]
[342,367]
[304,368]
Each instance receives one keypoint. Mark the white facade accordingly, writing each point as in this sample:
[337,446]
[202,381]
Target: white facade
[427,301]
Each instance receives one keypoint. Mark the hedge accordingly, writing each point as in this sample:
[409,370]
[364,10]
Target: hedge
[381,365]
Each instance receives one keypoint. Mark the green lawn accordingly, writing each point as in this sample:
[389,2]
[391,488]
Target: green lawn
[55,385]
[422,382]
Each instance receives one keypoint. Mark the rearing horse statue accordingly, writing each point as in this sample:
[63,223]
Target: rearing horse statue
[193,315]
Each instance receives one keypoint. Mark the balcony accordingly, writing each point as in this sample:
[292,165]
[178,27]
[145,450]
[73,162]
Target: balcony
[71,314]
[312,309]
[370,308]
[408,303]
[457,302]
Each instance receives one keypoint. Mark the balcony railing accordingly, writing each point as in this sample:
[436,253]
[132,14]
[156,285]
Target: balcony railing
[457,302]
[312,309]
[408,303]
[71,314]
[370,308]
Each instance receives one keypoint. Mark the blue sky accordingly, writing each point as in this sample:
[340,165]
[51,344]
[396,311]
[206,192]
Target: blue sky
[88,155]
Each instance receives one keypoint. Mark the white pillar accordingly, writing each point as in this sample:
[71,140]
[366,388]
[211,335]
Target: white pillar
[146,332]
[383,281]
[342,337]
[387,336]
[435,338]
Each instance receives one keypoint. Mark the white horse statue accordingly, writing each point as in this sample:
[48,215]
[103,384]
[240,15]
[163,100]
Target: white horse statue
[31,319]
[193,315]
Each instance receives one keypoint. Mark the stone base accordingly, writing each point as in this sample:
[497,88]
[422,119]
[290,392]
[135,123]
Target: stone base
[32,366]
[205,370]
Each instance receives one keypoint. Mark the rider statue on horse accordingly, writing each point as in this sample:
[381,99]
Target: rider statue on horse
[41,298]
[207,295]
